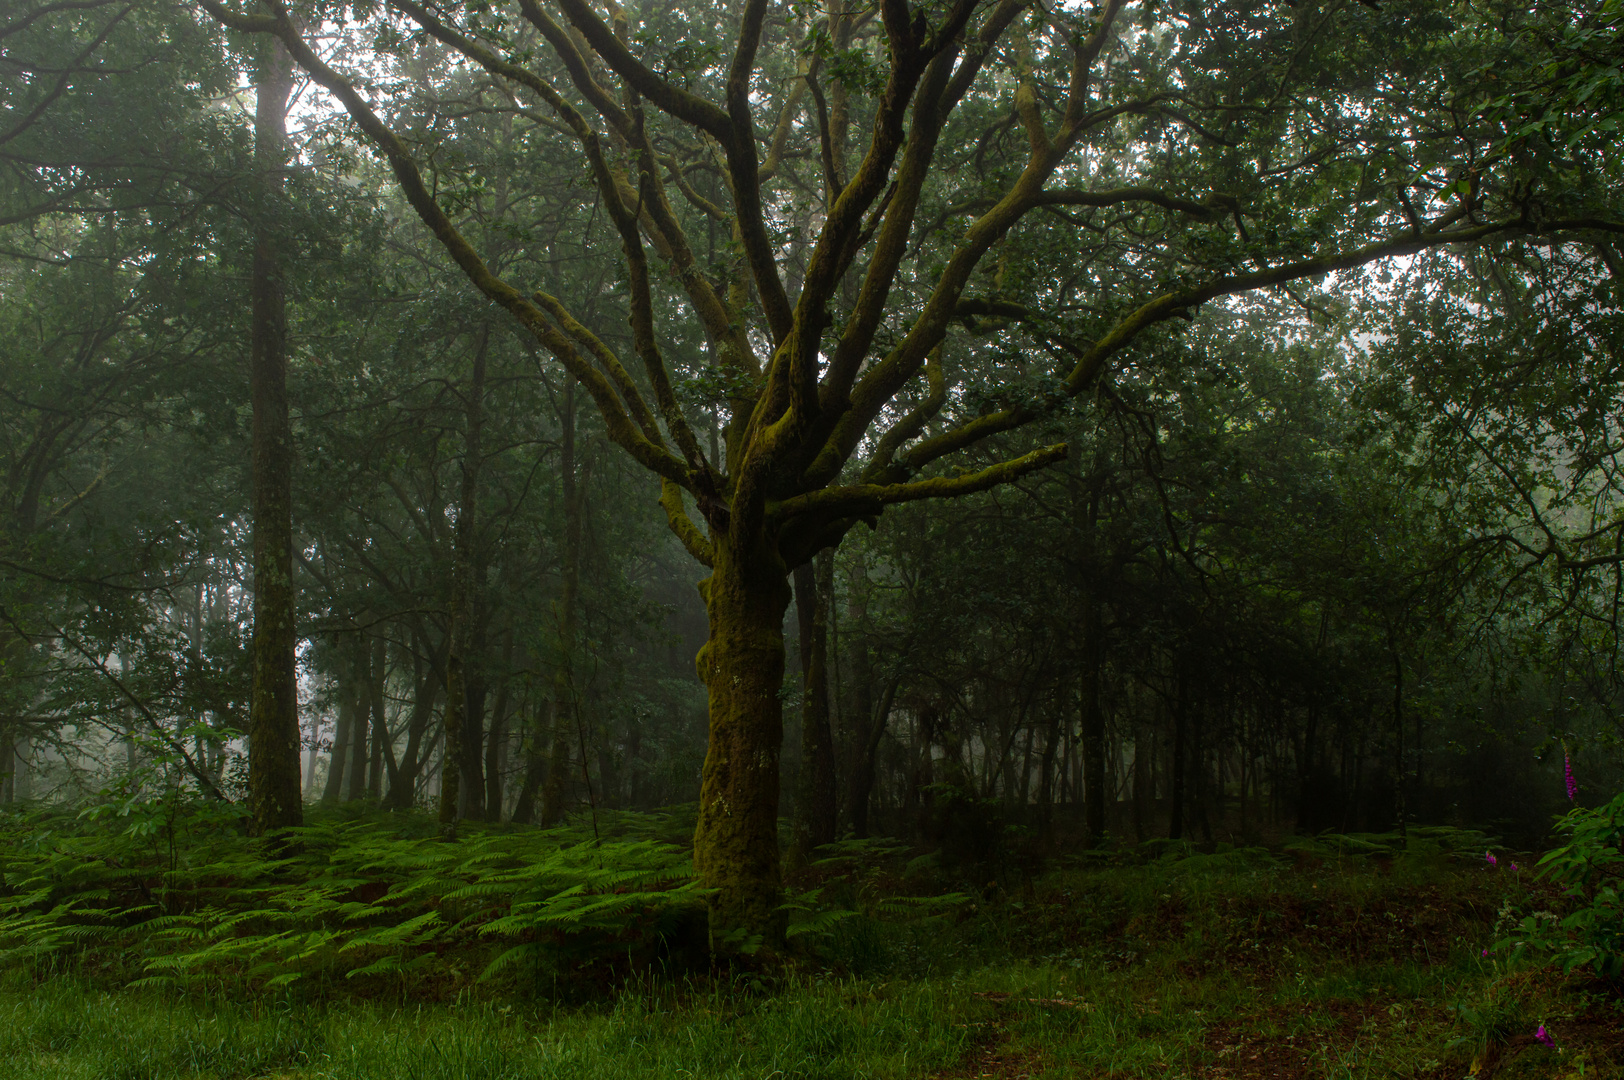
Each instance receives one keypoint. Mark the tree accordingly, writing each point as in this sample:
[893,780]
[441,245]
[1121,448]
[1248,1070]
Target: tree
[1113,171]
[273,720]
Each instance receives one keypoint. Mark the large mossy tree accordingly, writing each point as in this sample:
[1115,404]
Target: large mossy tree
[852,203]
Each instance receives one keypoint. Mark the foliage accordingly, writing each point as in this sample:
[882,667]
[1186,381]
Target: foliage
[1155,967]
[1589,866]
[172,894]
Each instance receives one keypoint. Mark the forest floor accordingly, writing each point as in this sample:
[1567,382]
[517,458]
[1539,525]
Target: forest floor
[1227,966]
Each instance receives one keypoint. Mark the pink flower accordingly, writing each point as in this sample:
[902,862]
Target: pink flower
[1488,857]
[1485,952]
[1567,767]
[1543,1037]
[1514,868]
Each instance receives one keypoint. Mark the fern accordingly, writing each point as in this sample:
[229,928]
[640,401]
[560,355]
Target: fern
[216,908]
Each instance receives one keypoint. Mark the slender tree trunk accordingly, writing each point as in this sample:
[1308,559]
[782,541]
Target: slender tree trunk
[428,684]
[496,741]
[463,729]
[862,781]
[1093,721]
[383,750]
[565,704]
[360,686]
[273,720]
[742,665]
[8,763]
[814,584]
[339,757]
[535,770]
[1175,824]
[1046,773]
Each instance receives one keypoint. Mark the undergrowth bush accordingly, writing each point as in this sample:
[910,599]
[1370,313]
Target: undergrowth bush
[1589,867]
[173,893]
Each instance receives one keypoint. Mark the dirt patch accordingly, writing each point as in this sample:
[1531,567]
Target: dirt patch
[1249,1050]
[990,1056]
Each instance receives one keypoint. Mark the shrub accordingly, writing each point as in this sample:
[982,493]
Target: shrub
[1590,868]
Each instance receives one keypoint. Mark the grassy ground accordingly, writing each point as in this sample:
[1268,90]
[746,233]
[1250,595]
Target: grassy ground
[1224,966]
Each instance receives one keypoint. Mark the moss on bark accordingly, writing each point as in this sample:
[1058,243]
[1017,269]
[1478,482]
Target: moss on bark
[742,664]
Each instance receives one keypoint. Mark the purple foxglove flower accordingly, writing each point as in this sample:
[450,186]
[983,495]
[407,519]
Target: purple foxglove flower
[1488,857]
[1543,1037]
[1514,868]
[1567,767]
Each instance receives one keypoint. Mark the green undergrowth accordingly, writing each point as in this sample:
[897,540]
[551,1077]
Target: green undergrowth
[828,1028]
[380,904]
[1332,956]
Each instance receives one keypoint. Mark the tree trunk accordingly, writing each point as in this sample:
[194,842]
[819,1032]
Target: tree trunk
[1175,820]
[496,742]
[273,719]
[383,750]
[742,665]
[862,780]
[814,584]
[361,694]
[339,757]
[566,705]
[464,696]
[427,684]
[535,771]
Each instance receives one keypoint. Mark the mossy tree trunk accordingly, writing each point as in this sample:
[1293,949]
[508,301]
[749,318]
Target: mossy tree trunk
[273,721]
[742,665]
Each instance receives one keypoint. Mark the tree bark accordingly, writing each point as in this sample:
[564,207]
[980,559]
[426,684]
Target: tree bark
[383,751]
[360,693]
[273,723]
[814,585]
[1175,821]
[427,685]
[742,665]
[565,705]
[339,757]
[496,741]
[462,789]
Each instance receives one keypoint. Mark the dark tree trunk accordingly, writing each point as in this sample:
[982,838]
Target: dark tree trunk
[428,685]
[1175,824]
[742,664]
[273,718]
[862,781]
[814,584]
[566,701]
[361,696]
[383,750]
[1046,774]
[339,757]
[464,726]
[496,741]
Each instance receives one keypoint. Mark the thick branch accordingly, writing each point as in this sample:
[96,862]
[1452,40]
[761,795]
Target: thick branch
[860,500]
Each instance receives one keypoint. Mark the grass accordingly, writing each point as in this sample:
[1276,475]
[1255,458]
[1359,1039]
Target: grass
[1231,964]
